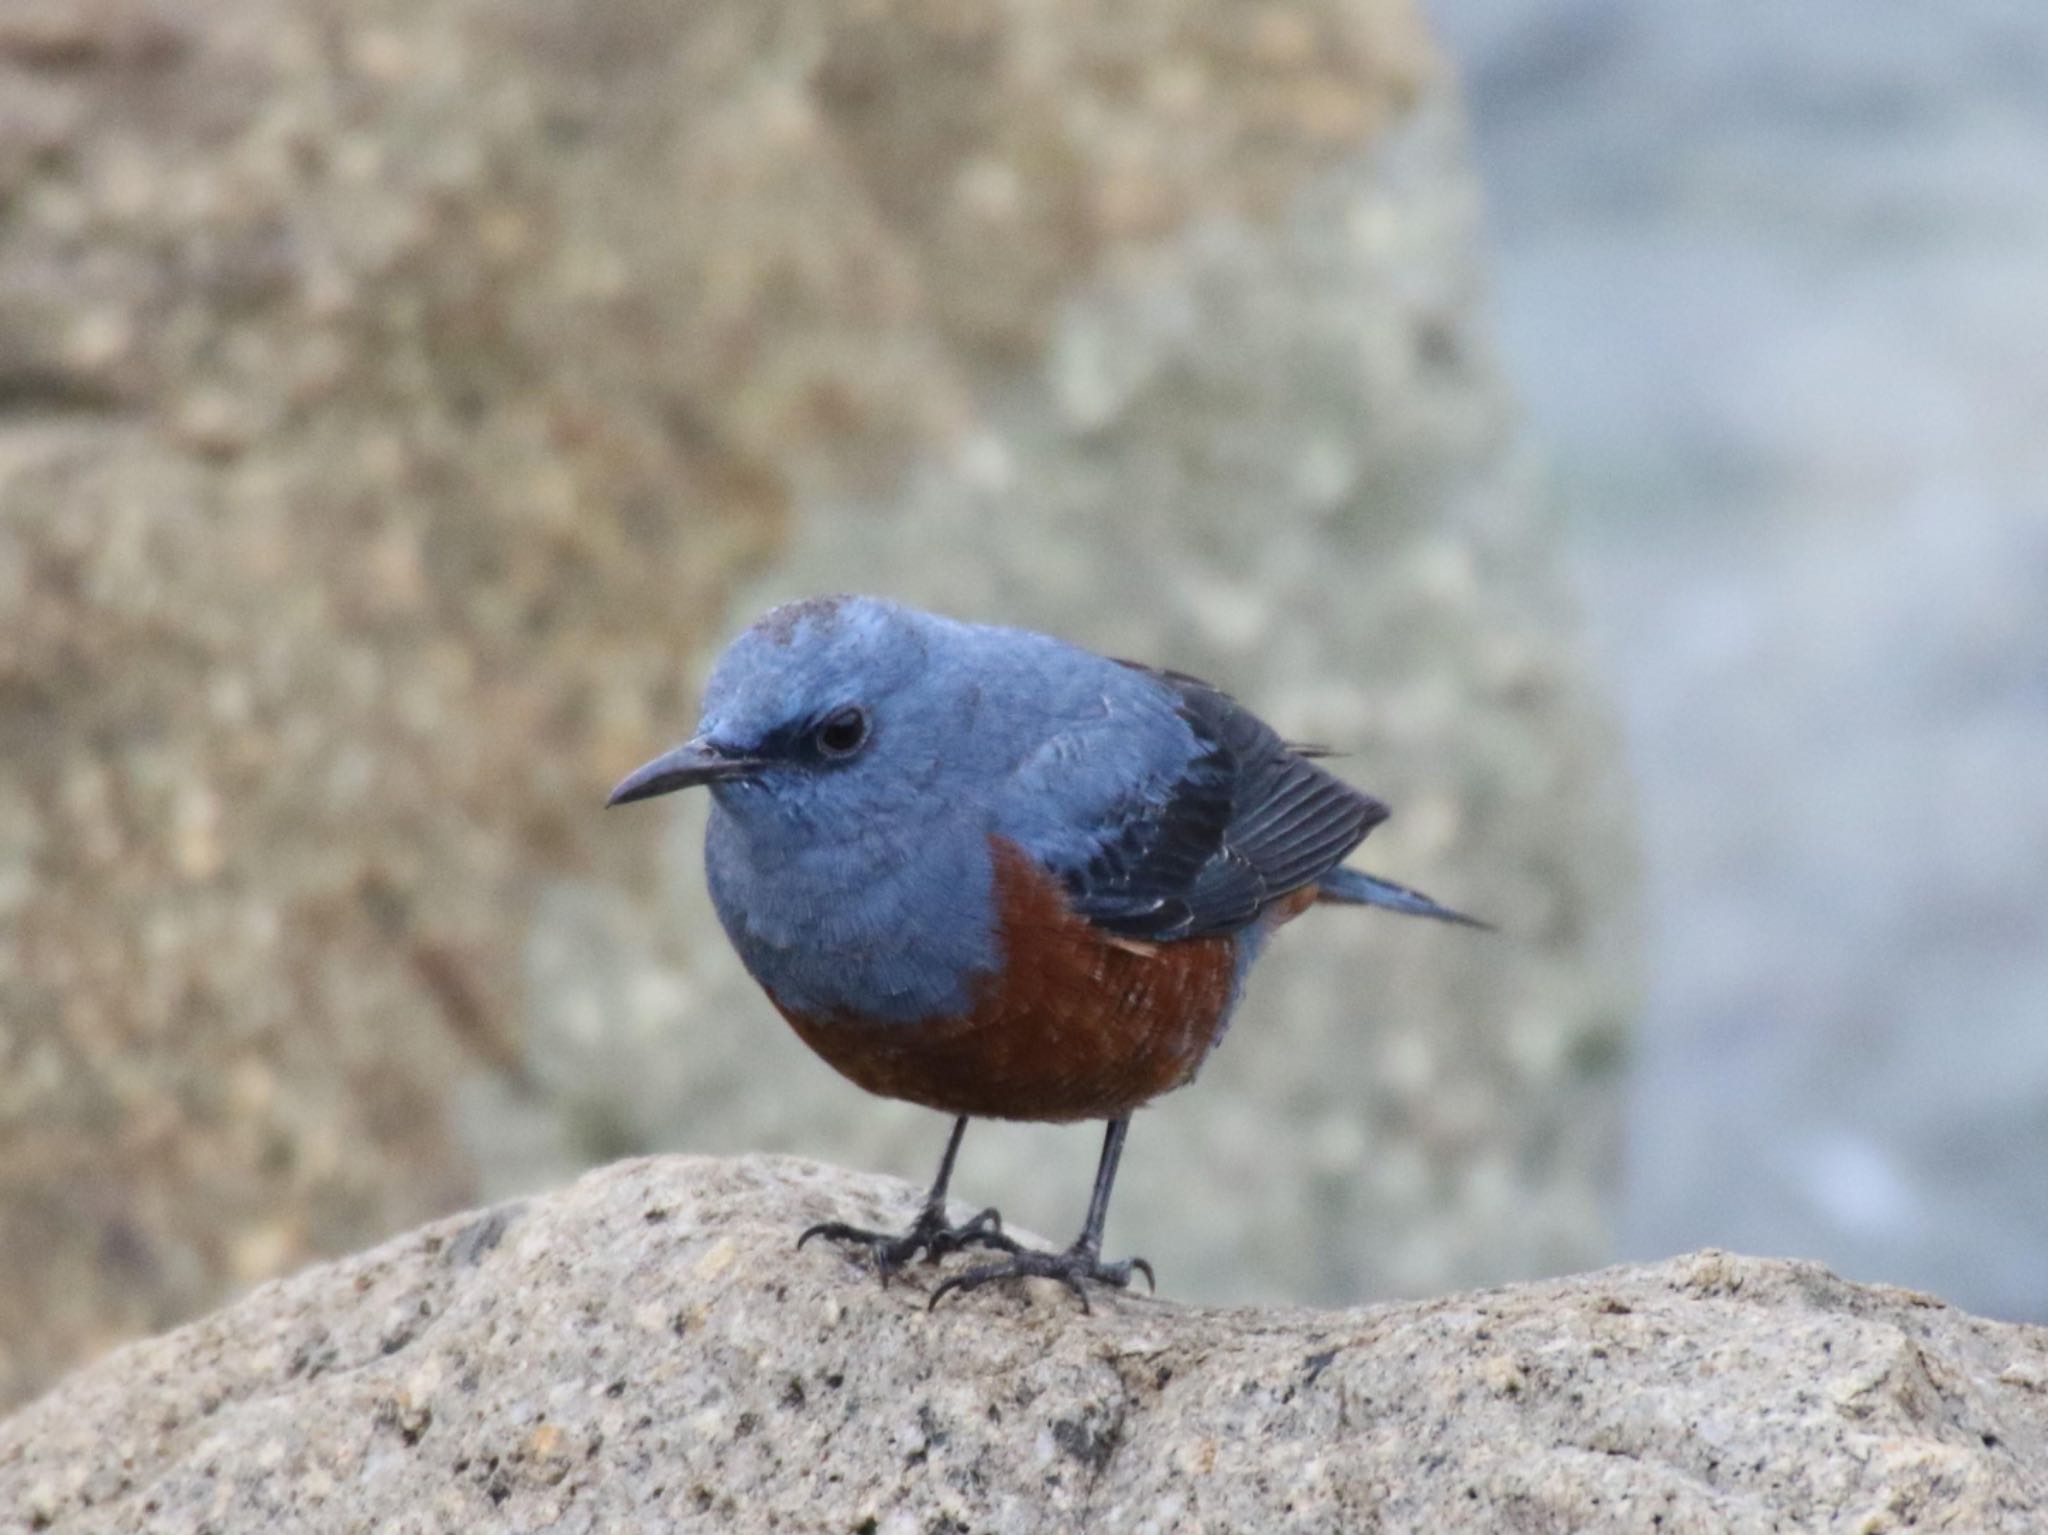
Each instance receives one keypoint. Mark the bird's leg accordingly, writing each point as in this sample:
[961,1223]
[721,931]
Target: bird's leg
[1081,1261]
[929,1233]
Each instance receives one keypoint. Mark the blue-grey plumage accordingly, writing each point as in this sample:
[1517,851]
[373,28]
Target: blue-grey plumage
[1355,887]
[862,886]
[992,872]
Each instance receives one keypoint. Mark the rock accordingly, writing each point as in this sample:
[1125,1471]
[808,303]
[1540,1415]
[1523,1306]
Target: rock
[349,540]
[392,400]
[644,1350]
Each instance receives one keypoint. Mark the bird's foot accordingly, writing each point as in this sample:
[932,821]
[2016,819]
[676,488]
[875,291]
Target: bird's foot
[929,1234]
[1069,1268]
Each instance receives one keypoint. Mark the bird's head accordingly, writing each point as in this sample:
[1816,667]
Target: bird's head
[834,710]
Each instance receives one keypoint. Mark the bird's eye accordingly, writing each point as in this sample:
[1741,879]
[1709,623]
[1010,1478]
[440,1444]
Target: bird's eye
[842,732]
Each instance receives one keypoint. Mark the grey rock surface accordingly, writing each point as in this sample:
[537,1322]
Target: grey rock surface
[348,537]
[392,398]
[644,1351]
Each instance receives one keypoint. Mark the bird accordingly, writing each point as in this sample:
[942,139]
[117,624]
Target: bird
[987,871]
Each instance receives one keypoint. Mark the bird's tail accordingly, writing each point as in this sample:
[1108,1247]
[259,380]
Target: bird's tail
[1351,887]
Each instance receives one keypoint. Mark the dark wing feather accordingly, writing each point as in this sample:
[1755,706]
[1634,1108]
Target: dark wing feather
[1250,820]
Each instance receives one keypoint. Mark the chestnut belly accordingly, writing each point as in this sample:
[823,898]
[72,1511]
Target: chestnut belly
[1072,1024]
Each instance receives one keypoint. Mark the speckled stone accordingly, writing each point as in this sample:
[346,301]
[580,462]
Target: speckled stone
[393,397]
[355,507]
[644,1351]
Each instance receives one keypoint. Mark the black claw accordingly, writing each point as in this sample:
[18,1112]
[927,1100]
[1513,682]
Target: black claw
[929,1234]
[1069,1268]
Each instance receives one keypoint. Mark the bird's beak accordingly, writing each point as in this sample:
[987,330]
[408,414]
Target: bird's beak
[692,763]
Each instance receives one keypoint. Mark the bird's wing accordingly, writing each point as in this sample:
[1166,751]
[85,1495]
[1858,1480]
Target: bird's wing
[1247,820]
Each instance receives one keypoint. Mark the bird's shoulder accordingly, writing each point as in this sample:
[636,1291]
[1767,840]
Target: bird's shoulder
[1177,813]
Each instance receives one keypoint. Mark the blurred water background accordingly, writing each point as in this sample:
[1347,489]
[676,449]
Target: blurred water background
[1772,282]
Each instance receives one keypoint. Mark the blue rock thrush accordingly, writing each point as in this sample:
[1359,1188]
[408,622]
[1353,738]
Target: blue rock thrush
[992,873]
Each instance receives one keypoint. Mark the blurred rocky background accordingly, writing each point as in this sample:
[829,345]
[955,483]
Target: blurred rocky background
[398,401]
[1773,283]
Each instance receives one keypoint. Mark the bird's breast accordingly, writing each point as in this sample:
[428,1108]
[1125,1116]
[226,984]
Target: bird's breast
[1067,1022]
[889,923]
